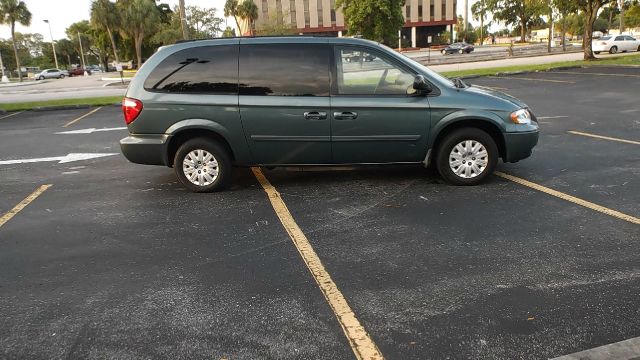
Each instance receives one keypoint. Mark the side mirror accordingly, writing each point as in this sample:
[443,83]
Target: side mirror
[421,85]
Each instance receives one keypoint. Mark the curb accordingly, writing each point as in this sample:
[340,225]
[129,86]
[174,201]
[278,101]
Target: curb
[506,73]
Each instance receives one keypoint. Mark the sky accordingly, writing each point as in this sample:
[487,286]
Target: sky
[61,14]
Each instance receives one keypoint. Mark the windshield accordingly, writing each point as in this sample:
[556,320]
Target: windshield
[605,38]
[430,73]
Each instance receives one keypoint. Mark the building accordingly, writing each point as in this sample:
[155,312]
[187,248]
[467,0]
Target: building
[423,18]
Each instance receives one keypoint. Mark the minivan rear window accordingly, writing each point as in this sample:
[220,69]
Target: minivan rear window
[285,69]
[199,70]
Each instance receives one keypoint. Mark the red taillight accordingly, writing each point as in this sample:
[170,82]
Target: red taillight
[131,109]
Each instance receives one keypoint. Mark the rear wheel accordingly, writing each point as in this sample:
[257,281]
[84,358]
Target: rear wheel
[444,52]
[202,165]
[61,76]
[596,52]
[638,48]
[460,51]
[467,156]
[613,50]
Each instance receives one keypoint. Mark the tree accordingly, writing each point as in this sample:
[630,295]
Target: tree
[564,8]
[231,9]
[103,15]
[479,11]
[203,22]
[229,32]
[67,49]
[524,13]
[590,10]
[139,19]
[12,11]
[378,20]
[275,24]
[248,11]
[80,32]
[632,16]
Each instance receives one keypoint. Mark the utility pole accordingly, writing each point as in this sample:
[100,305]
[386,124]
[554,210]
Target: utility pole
[183,21]
[84,66]
[5,79]
[53,45]
[621,16]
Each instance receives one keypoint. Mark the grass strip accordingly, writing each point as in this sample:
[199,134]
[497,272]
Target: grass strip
[94,101]
[622,60]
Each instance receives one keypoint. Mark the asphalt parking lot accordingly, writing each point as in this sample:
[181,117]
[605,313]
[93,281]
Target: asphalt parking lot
[117,260]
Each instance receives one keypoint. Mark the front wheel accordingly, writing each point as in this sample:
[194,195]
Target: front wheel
[613,50]
[202,165]
[467,156]
[596,52]
[460,51]
[444,52]
[41,78]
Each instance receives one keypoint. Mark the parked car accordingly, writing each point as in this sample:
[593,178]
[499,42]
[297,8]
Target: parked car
[615,43]
[459,47]
[51,74]
[204,106]
[78,71]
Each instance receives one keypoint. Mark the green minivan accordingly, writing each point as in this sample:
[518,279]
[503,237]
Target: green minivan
[204,106]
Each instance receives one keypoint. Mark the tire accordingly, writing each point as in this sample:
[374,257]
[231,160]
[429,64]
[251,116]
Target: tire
[613,50]
[638,49]
[221,162]
[596,52]
[61,76]
[460,51]
[456,141]
[41,78]
[444,52]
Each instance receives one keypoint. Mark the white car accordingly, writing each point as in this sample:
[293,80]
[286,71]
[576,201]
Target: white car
[51,74]
[615,43]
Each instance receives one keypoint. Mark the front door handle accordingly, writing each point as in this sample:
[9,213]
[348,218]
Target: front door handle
[345,115]
[315,115]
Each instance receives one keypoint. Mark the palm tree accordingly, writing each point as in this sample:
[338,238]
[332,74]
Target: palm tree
[103,15]
[139,18]
[248,11]
[231,9]
[12,11]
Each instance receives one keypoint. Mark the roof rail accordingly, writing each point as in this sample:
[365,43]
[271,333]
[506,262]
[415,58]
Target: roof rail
[248,37]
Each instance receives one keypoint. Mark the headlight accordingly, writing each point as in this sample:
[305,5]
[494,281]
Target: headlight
[521,116]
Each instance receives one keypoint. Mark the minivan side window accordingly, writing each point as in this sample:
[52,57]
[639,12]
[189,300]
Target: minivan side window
[198,70]
[285,69]
[360,72]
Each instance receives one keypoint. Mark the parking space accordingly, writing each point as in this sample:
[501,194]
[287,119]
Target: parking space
[118,260]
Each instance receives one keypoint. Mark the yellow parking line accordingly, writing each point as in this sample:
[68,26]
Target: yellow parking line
[573,199]
[22,204]
[597,74]
[534,79]
[81,117]
[12,114]
[603,137]
[361,343]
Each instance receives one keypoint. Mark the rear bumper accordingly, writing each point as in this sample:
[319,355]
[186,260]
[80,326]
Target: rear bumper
[146,149]
[519,145]
[600,48]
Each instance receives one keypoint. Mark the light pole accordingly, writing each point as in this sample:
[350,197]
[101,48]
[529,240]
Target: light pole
[55,57]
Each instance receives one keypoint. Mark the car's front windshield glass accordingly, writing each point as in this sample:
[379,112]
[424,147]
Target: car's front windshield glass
[605,38]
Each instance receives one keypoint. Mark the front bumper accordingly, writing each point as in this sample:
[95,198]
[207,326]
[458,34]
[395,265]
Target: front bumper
[146,149]
[519,145]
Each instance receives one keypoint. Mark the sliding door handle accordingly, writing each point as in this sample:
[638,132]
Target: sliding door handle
[315,115]
[346,115]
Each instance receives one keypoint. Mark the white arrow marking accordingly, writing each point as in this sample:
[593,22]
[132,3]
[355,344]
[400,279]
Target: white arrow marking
[91,130]
[60,159]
